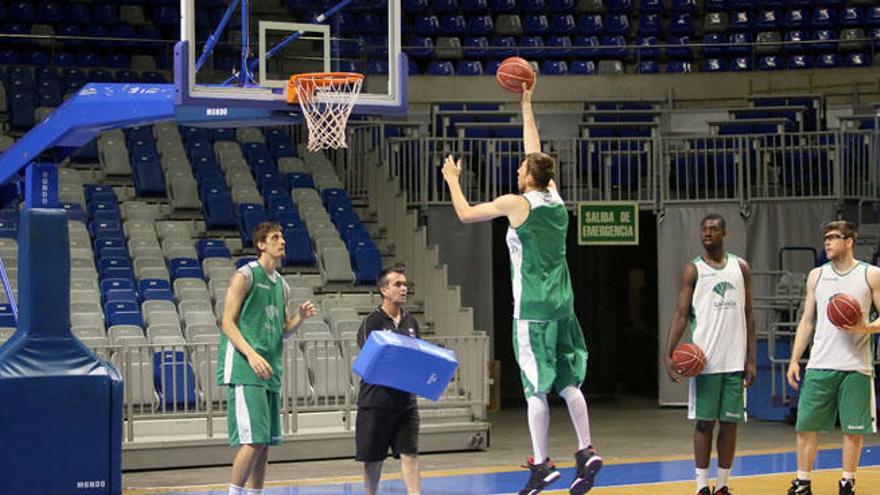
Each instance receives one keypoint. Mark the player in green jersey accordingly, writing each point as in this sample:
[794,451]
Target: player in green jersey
[250,357]
[548,340]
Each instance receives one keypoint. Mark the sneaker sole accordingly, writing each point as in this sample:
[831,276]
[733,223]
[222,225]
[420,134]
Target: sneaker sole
[585,484]
[549,479]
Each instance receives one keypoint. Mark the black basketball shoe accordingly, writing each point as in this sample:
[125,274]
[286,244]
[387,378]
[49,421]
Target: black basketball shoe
[847,487]
[800,487]
[543,475]
[588,464]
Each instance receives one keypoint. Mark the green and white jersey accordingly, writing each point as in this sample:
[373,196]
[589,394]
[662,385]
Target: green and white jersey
[541,283]
[832,348]
[718,315]
[261,321]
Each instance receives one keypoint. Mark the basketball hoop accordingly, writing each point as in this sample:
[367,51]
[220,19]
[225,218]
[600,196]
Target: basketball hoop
[326,100]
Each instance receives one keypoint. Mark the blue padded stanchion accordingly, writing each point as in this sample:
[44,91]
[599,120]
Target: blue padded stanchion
[428,368]
[61,418]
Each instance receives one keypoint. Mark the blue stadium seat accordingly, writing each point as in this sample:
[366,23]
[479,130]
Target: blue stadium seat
[617,24]
[681,25]
[110,248]
[77,12]
[415,6]
[475,47]
[613,47]
[105,13]
[469,68]
[218,209]
[650,25]
[123,313]
[250,215]
[454,25]
[554,68]
[367,264]
[532,47]
[799,62]
[584,47]
[647,7]
[796,19]
[474,6]
[426,25]
[716,5]
[824,18]
[299,180]
[532,6]
[741,21]
[563,25]
[591,24]
[740,44]
[679,66]
[503,6]
[827,40]
[20,11]
[560,6]
[714,65]
[535,25]
[333,197]
[7,317]
[559,46]
[74,211]
[710,40]
[175,380]
[118,290]
[856,59]
[648,67]
[679,48]
[619,6]
[480,25]
[441,68]
[50,12]
[298,249]
[21,111]
[647,48]
[771,62]
[582,67]
[828,60]
[185,268]
[148,177]
[768,20]
[794,41]
[212,248]
[853,16]
[740,64]
[444,6]
[155,288]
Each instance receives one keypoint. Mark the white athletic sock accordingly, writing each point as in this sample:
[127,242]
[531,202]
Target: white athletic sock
[235,490]
[804,475]
[539,423]
[849,476]
[580,417]
[723,477]
[253,491]
[702,478]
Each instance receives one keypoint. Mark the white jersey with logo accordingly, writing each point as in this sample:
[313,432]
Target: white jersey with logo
[834,349]
[718,315]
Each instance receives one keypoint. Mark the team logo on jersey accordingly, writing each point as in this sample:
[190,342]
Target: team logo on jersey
[271,312]
[721,289]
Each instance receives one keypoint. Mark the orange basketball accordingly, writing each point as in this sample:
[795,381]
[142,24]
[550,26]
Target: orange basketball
[513,72]
[689,359]
[843,310]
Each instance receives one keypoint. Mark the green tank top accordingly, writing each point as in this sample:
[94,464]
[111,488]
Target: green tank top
[261,321]
[541,282]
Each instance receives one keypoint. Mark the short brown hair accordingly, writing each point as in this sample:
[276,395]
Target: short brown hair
[847,228]
[541,167]
[263,230]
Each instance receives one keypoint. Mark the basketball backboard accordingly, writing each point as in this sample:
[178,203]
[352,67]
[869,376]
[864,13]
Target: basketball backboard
[224,63]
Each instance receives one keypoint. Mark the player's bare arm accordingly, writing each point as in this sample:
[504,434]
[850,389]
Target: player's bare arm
[750,370]
[512,206]
[291,323]
[804,330]
[531,138]
[873,277]
[235,295]
[680,318]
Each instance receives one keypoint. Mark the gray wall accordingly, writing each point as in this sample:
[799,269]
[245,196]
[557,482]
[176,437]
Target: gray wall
[467,252]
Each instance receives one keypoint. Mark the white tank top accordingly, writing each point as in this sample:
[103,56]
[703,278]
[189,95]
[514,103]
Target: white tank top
[718,315]
[834,349]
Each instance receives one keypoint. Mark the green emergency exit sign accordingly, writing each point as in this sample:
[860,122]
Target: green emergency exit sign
[608,223]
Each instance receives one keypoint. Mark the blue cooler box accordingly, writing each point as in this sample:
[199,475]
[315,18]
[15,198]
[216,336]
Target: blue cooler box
[405,363]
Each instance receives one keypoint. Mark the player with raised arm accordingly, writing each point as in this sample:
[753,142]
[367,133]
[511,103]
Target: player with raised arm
[548,340]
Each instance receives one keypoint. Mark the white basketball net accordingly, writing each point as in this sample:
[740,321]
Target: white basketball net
[326,100]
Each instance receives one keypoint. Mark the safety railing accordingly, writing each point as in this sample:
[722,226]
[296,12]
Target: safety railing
[179,381]
[653,171]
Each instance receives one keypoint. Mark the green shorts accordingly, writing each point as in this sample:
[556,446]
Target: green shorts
[827,394]
[549,353]
[717,396]
[253,415]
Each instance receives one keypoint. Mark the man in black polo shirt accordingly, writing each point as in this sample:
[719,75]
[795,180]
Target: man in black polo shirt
[388,417]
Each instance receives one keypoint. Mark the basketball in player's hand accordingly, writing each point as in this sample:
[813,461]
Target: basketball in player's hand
[689,359]
[843,310]
[513,72]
